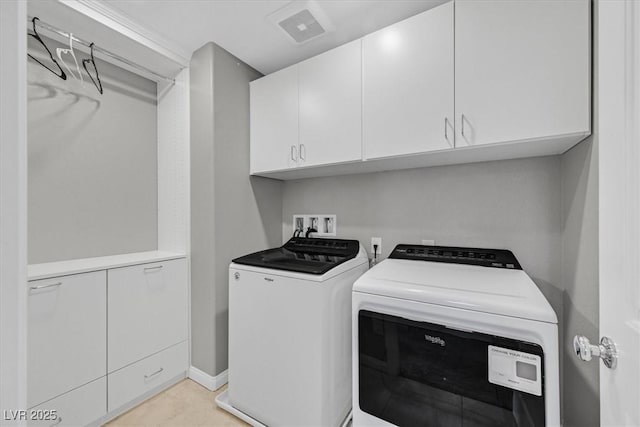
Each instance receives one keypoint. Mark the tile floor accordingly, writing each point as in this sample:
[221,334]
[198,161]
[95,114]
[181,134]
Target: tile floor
[186,404]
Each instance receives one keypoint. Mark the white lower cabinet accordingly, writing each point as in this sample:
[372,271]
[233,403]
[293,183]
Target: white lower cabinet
[80,407]
[67,334]
[147,307]
[141,377]
[78,373]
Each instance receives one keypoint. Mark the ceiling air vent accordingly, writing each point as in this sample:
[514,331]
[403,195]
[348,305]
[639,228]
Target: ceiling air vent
[302,26]
[301,20]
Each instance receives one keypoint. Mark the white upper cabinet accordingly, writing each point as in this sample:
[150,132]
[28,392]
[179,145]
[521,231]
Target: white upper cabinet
[522,70]
[331,106]
[408,86]
[274,121]
[466,81]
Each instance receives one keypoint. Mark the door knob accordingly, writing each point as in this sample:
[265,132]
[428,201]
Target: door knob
[606,350]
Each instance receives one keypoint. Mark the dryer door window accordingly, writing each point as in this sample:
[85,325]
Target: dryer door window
[423,374]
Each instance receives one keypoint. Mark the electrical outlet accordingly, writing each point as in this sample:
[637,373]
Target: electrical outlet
[427,242]
[376,241]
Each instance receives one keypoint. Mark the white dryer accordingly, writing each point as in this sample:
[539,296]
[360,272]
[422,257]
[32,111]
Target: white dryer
[448,336]
[290,333]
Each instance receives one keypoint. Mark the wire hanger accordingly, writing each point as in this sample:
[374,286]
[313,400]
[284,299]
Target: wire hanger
[96,82]
[36,36]
[62,51]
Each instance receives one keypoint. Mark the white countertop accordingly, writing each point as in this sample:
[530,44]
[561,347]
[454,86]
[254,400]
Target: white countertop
[83,265]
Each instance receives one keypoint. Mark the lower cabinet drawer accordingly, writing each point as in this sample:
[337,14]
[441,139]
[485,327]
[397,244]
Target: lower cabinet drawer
[80,407]
[143,376]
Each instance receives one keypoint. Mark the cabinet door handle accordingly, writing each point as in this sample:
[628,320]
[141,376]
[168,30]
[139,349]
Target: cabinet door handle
[294,154]
[446,131]
[146,377]
[462,124]
[303,149]
[51,285]
[156,268]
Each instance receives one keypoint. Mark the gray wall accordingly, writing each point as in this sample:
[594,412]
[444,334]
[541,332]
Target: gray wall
[581,388]
[580,279]
[92,163]
[231,213]
[511,204]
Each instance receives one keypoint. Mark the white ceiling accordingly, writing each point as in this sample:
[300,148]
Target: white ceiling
[242,26]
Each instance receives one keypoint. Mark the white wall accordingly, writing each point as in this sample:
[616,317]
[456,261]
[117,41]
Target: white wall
[173,164]
[13,206]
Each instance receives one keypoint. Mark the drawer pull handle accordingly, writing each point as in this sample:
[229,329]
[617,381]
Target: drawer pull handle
[146,377]
[156,268]
[58,421]
[51,285]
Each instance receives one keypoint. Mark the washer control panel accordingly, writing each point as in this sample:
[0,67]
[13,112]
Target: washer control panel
[497,258]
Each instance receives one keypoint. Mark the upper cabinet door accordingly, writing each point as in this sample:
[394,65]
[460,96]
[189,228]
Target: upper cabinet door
[408,92]
[331,106]
[274,121]
[522,70]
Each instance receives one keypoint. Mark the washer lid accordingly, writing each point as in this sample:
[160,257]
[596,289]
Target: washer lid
[486,289]
[304,255]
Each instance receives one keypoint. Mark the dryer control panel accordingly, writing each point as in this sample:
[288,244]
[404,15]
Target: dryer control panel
[497,258]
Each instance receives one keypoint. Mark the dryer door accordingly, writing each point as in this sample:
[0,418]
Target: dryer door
[423,374]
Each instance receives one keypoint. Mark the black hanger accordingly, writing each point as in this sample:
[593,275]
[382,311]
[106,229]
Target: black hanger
[98,84]
[36,36]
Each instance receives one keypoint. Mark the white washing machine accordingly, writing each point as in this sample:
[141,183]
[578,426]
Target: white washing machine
[453,337]
[290,333]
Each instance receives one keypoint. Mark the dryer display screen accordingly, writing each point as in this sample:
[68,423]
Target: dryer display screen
[515,369]
[423,374]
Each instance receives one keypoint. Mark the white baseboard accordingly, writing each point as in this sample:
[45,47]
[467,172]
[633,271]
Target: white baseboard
[206,380]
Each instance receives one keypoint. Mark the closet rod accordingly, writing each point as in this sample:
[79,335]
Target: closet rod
[105,52]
